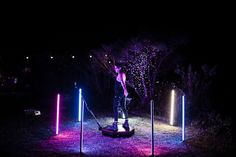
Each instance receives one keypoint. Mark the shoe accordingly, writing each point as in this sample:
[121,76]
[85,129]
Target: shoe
[126,125]
[113,127]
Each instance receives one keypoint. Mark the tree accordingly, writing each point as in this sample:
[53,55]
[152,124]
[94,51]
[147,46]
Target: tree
[197,84]
[142,59]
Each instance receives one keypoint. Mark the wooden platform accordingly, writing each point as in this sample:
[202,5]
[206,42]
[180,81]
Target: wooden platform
[120,133]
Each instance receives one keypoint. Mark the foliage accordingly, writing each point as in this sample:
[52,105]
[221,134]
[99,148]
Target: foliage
[197,85]
[142,59]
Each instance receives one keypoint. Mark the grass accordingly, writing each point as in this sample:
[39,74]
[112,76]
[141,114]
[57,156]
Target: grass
[35,136]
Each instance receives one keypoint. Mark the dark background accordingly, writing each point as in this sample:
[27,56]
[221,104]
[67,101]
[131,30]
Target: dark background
[208,28]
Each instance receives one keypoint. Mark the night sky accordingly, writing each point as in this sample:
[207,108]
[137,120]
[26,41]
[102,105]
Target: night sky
[35,31]
[208,38]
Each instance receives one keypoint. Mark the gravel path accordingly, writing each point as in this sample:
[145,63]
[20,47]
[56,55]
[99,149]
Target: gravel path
[37,138]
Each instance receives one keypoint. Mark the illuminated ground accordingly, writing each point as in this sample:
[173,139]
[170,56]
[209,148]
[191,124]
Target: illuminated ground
[36,137]
[168,139]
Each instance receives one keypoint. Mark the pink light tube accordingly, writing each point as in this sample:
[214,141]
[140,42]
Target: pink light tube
[183,120]
[58,108]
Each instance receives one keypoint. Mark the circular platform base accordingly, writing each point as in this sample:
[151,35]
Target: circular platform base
[120,133]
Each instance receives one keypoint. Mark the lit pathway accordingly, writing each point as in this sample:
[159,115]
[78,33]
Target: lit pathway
[167,140]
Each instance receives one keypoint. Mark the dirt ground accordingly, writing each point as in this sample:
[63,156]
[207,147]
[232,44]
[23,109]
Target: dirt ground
[35,136]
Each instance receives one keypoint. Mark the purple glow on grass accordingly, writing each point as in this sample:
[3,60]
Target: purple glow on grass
[67,142]
[58,108]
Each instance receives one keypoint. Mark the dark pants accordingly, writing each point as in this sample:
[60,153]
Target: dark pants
[119,101]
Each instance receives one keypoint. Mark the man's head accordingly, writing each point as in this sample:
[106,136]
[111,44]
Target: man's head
[118,67]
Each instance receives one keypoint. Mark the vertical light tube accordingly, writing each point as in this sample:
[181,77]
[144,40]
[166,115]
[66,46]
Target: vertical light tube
[183,118]
[152,124]
[79,108]
[58,109]
[81,127]
[172,107]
